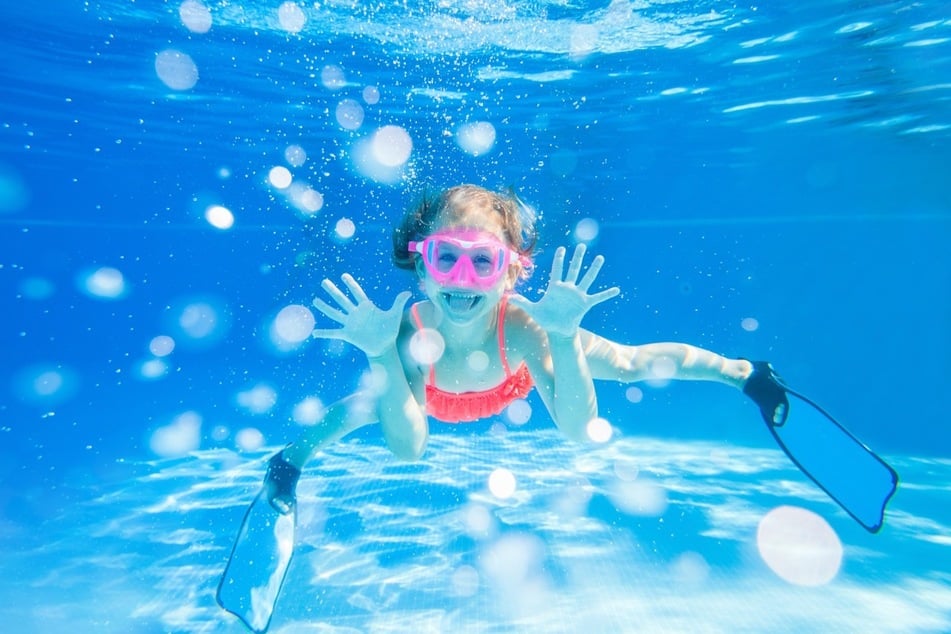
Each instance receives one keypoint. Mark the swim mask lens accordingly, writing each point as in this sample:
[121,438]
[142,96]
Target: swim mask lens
[470,259]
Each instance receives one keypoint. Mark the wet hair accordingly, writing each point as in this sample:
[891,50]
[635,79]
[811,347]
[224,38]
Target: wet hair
[518,219]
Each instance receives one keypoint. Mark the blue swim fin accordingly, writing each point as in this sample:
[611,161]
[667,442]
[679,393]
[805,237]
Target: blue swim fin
[838,462]
[258,564]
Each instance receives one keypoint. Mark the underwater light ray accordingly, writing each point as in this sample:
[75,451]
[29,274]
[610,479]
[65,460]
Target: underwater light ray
[32,223]
[642,223]
[646,223]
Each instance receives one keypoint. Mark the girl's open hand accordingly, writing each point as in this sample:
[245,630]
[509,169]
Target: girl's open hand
[566,300]
[366,326]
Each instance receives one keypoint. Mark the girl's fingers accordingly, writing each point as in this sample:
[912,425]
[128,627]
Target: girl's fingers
[603,296]
[337,295]
[328,310]
[574,267]
[354,287]
[591,273]
[557,265]
[400,302]
[327,333]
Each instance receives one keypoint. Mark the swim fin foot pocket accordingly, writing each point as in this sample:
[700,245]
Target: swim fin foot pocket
[280,483]
[765,388]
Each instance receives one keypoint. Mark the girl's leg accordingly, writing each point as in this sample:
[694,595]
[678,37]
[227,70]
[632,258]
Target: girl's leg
[284,467]
[684,362]
[680,361]
[610,360]
[341,418]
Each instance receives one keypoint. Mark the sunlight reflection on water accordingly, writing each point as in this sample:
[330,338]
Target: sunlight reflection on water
[384,545]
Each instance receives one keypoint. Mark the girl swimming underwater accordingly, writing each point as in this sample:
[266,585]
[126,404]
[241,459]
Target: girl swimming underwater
[474,345]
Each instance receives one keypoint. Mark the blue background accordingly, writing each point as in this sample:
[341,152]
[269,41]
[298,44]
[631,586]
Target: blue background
[786,162]
[831,232]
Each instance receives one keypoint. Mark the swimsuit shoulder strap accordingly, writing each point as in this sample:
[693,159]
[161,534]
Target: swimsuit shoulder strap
[505,363]
[414,313]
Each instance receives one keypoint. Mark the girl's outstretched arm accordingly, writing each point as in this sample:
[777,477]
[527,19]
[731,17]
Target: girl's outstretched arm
[403,419]
[377,332]
[552,343]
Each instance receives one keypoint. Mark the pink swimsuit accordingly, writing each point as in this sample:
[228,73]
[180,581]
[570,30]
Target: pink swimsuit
[458,407]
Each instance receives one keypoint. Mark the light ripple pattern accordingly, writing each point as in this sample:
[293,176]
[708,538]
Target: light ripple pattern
[380,544]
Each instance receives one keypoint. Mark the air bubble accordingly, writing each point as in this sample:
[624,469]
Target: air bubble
[513,566]
[280,177]
[477,138]
[295,155]
[371,95]
[176,69]
[586,230]
[638,497]
[478,521]
[345,229]
[391,146]
[178,438]
[260,399]
[464,581]
[305,199]
[195,16]
[45,384]
[332,77]
[518,412]
[197,322]
[502,483]
[309,411]
[584,39]
[427,346]
[799,546]
[634,394]
[663,368]
[293,324]
[599,430]
[478,361]
[103,283]
[219,217]
[291,17]
[152,369]
[249,439]
[349,114]
[690,568]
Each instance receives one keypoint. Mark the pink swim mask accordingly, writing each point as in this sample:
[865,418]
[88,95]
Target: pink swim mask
[465,258]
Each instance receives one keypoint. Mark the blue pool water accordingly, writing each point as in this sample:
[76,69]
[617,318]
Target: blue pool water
[767,181]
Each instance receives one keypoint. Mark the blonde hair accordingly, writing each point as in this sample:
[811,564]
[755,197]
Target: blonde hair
[518,219]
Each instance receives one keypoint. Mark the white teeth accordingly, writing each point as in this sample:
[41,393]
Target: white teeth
[461,301]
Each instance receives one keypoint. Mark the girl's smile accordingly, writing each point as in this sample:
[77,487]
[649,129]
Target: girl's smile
[458,302]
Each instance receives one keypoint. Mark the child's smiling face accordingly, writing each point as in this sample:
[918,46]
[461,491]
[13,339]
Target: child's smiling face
[464,304]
